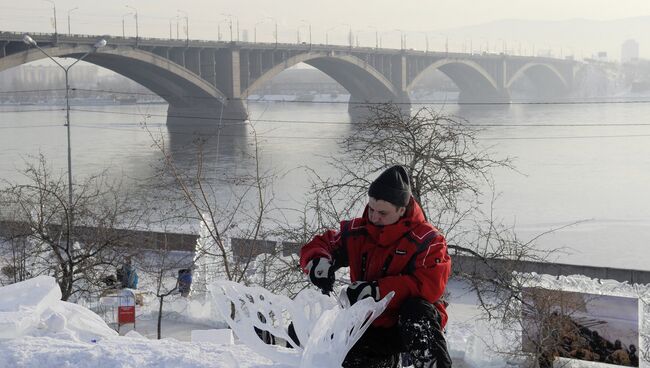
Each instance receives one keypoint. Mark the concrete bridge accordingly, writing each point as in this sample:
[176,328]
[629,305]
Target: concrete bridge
[210,78]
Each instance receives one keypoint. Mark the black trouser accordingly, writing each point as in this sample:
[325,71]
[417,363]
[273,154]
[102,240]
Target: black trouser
[418,332]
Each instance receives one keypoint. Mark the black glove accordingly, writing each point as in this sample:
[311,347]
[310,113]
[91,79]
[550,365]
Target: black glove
[362,289]
[321,274]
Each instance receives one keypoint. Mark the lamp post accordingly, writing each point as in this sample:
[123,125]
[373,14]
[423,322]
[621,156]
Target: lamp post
[426,41]
[260,22]
[309,27]
[402,39]
[56,33]
[255,30]
[276,32]
[99,44]
[376,36]
[327,31]
[170,27]
[70,11]
[229,16]
[135,14]
[350,37]
[124,16]
[187,25]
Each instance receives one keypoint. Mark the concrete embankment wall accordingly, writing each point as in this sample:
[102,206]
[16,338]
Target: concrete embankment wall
[136,239]
[246,248]
[462,263]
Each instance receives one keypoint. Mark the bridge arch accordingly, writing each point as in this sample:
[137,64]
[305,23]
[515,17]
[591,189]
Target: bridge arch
[548,80]
[363,81]
[180,87]
[474,82]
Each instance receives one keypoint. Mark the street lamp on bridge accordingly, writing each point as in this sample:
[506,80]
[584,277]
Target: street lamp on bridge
[70,11]
[426,41]
[187,25]
[229,17]
[171,36]
[376,36]
[124,16]
[327,31]
[135,12]
[99,44]
[262,21]
[350,36]
[309,27]
[56,33]
[219,30]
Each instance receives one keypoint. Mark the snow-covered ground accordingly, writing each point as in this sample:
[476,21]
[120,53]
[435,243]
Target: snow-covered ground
[39,330]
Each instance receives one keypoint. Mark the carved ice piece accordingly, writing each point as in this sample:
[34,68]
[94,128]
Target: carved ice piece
[326,331]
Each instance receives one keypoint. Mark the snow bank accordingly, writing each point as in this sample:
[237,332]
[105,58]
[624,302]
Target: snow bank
[126,352]
[22,304]
[34,308]
[222,336]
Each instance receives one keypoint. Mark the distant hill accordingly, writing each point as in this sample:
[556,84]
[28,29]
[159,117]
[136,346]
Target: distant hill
[579,37]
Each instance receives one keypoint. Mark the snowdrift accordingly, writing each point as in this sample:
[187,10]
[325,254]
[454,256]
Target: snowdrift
[34,308]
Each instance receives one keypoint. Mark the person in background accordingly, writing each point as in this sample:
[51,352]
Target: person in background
[127,274]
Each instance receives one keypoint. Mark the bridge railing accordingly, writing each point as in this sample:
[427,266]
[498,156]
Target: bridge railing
[153,41]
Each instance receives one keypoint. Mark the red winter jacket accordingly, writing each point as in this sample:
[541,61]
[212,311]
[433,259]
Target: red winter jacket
[408,257]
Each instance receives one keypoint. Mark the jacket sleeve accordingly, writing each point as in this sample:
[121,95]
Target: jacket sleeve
[323,245]
[427,279]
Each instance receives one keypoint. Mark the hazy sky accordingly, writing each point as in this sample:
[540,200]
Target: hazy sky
[157,18]
[417,15]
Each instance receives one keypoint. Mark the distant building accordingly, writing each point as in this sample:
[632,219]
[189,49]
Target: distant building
[244,35]
[629,51]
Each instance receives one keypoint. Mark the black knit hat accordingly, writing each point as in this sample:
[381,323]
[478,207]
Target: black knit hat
[393,185]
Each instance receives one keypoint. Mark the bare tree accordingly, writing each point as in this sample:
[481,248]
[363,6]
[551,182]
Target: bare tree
[77,254]
[440,152]
[242,213]
[19,256]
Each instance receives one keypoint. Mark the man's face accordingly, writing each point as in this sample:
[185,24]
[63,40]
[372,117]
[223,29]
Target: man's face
[382,213]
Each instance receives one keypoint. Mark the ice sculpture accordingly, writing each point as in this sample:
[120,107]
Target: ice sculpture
[325,329]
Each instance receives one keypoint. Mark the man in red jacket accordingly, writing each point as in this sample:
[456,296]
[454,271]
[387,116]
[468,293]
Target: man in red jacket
[391,248]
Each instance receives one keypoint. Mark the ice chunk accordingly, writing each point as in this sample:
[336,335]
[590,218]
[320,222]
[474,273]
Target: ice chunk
[22,303]
[222,336]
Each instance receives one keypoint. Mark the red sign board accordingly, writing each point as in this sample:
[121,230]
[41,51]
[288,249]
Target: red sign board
[125,315]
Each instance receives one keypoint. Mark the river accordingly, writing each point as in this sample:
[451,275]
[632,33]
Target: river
[587,163]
